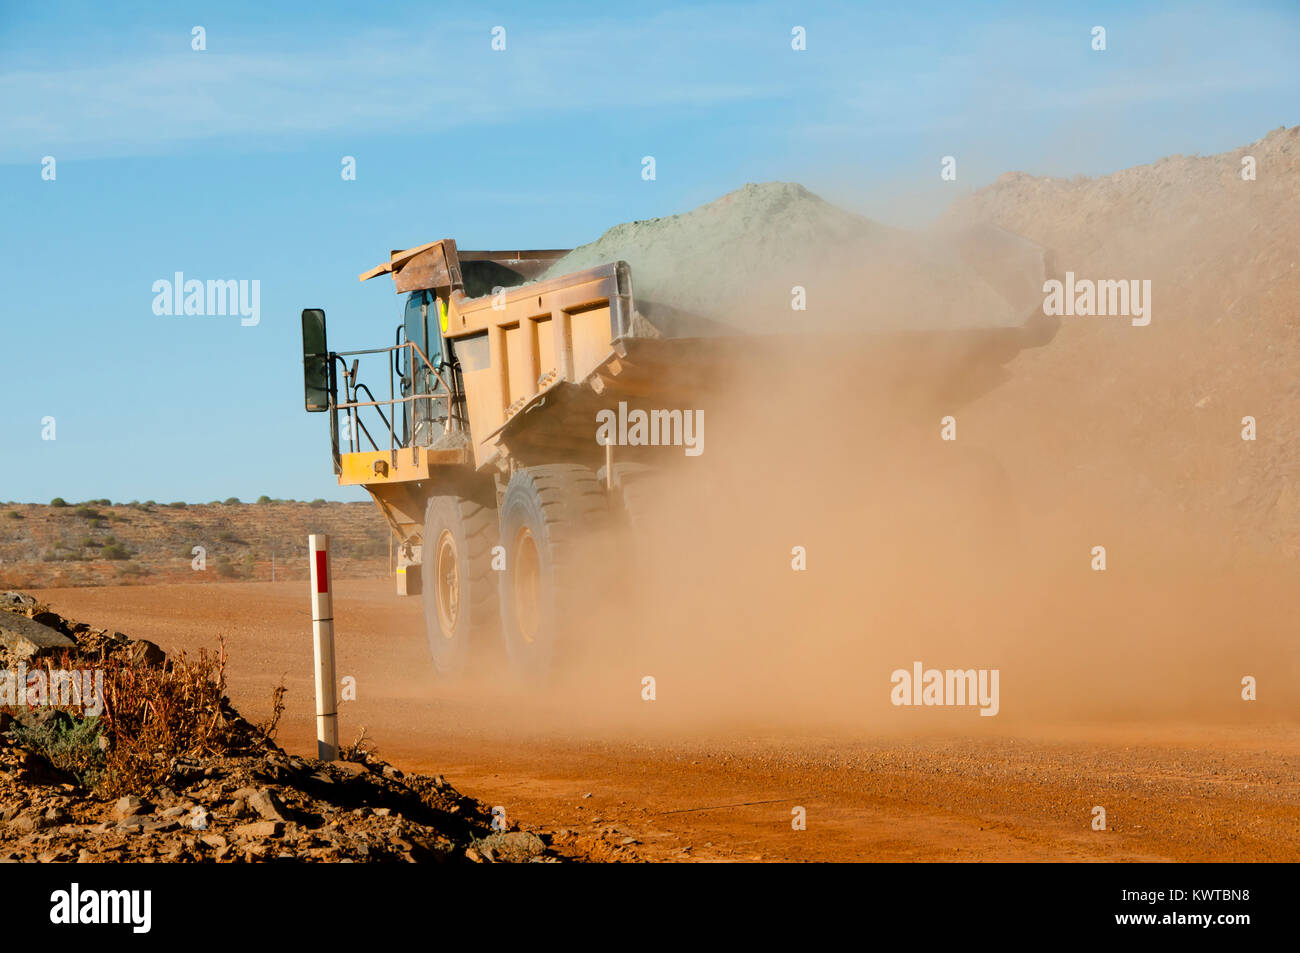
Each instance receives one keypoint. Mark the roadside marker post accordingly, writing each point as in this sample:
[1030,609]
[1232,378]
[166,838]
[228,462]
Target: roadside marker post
[322,624]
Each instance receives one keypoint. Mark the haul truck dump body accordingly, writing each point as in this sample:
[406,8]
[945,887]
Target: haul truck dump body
[489,427]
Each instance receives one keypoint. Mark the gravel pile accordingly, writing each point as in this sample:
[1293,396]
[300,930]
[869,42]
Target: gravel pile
[735,261]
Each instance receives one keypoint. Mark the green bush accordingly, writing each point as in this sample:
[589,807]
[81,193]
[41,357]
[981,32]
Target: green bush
[264,499]
[115,551]
[232,501]
[58,501]
[318,502]
[15,515]
[70,744]
[178,505]
[86,513]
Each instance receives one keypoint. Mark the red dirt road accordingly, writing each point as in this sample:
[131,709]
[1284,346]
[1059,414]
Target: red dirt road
[1181,792]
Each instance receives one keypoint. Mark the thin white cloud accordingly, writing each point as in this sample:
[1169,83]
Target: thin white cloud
[270,92]
[377,82]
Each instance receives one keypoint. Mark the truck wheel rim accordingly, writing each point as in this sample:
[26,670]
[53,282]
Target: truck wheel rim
[447,579]
[527,585]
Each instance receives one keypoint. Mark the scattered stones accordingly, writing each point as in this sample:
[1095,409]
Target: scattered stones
[51,619]
[185,770]
[56,815]
[512,845]
[144,652]
[260,829]
[27,823]
[265,803]
[296,808]
[27,639]
[130,805]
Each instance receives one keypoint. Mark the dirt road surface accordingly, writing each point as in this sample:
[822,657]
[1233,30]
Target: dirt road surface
[1171,792]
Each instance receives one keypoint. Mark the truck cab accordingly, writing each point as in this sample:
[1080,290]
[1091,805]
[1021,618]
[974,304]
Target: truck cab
[423,421]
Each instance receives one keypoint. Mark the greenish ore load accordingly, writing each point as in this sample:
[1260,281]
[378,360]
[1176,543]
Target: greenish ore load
[738,264]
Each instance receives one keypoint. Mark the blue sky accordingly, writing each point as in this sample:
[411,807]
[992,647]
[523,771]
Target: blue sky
[226,164]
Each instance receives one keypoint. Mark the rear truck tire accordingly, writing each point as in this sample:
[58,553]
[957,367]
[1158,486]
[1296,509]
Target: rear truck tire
[641,537]
[635,487]
[458,584]
[552,521]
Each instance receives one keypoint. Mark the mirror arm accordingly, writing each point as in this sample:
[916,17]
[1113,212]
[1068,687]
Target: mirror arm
[334,416]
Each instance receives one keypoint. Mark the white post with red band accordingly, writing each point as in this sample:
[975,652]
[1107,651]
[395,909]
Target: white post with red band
[322,624]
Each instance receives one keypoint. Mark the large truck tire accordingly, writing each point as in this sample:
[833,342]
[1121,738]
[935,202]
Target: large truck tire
[458,584]
[552,520]
[636,486]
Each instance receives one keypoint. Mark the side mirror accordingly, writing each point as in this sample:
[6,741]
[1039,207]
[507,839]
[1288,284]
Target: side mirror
[315,361]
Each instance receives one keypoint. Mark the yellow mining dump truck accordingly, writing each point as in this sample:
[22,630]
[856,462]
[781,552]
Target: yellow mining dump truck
[483,455]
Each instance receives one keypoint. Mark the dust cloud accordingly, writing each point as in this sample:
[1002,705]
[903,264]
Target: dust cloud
[979,552]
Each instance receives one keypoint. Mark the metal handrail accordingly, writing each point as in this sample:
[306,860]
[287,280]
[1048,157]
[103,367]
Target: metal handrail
[356,389]
[353,405]
[396,347]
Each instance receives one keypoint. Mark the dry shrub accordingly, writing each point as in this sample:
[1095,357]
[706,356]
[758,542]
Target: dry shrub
[271,725]
[157,713]
[362,750]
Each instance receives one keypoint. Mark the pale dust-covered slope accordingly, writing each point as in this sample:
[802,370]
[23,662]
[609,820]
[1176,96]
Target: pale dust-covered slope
[1153,415]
